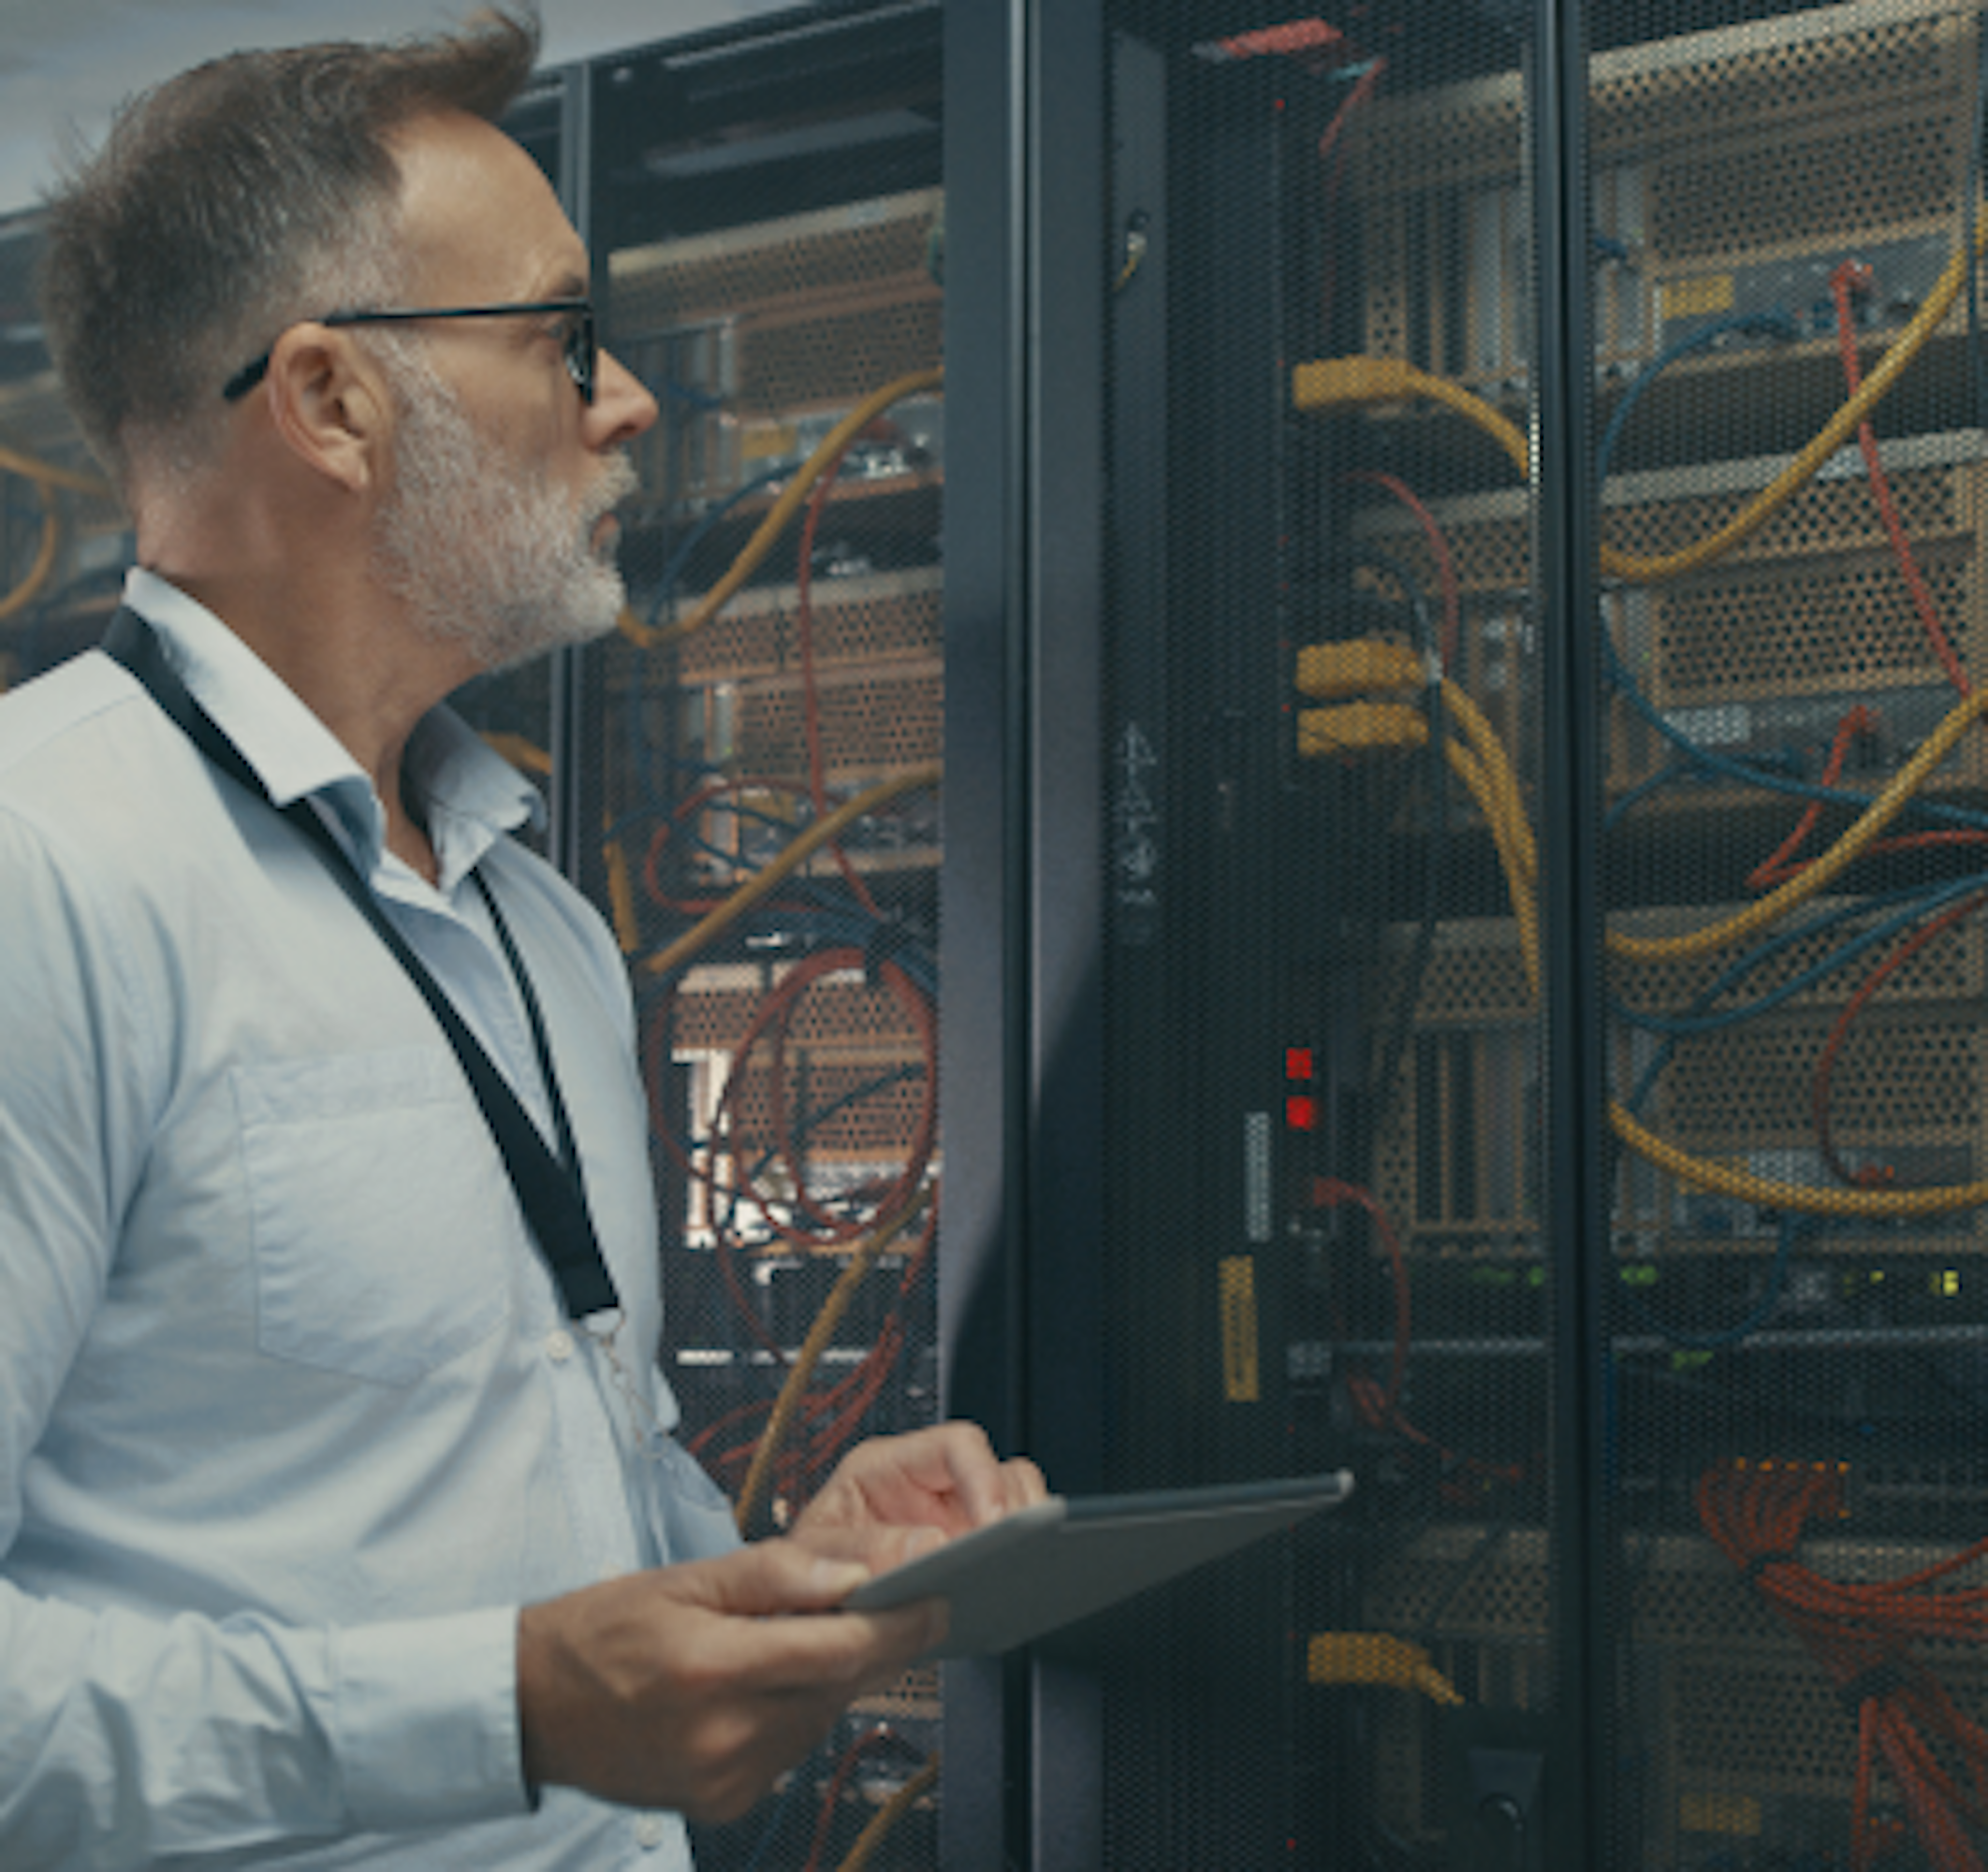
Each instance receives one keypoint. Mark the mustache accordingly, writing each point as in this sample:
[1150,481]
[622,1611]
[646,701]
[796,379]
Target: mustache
[619,480]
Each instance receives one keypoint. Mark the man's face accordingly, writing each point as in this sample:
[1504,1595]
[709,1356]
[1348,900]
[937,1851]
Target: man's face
[495,527]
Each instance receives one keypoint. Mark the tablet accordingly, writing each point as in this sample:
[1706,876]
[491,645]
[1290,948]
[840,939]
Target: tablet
[1046,1566]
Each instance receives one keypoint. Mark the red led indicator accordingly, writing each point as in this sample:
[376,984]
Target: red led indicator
[1301,1111]
[1299,1063]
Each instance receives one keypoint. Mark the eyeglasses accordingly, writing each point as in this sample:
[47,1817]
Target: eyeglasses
[579,344]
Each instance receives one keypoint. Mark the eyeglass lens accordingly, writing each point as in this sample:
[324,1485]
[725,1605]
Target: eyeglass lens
[583,354]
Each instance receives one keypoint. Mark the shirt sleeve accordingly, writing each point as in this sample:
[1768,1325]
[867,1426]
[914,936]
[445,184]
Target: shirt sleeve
[130,1736]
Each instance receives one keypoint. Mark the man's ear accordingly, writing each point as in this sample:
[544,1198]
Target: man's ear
[329,404]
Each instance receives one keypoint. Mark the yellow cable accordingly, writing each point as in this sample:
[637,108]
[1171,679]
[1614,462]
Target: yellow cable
[47,478]
[1832,437]
[1484,768]
[1707,1172]
[1376,1657]
[1349,729]
[1728,1179]
[795,1388]
[1362,666]
[761,884]
[621,898]
[39,573]
[1341,382]
[769,529]
[1525,908]
[1824,870]
[32,467]
[1490,751]
[887,1816]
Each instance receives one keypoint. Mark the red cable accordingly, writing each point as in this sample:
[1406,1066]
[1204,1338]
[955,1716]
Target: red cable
[868,1743]
[1780,868]
[691,802]
[1449,640]
[1844,279]
[1871,1175]
[655,1056]
[1379,1405]
[1859,1632]
[840,1409]
[1334,158]
[776,1011]
[924,1135]
[831,1416]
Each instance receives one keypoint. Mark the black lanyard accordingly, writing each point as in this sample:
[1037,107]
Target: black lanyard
[549,1189]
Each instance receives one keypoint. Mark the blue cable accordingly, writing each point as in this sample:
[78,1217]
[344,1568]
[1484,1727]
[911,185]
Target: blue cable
[1919,901]
[1623,679]
[674,568]
[1790,1226]
[1760,324]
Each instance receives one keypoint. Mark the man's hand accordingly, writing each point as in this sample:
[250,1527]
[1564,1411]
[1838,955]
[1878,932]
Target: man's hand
[895,1496]
[693,1687]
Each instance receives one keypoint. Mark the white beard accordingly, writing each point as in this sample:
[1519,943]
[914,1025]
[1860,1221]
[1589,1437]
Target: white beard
[485,554]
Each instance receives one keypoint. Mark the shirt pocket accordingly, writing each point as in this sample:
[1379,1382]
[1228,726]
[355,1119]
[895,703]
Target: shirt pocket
[379,1212]
[693,1518]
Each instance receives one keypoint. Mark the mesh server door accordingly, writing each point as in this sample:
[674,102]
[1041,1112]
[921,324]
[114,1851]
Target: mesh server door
[1543,843]
[1788,458]
[1328,1240]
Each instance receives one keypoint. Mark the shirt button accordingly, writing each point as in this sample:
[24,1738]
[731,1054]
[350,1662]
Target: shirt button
[649,1831]
[558,1347]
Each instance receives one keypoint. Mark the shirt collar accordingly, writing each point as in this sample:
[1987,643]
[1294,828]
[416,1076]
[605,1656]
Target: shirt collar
[471,795]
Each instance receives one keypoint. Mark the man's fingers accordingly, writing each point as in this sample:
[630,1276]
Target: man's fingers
[1022,1484]
[767,1578]
[985,1487]
[790,1635]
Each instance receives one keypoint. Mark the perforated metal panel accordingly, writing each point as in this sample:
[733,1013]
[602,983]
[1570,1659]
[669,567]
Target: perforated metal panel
[1355,848]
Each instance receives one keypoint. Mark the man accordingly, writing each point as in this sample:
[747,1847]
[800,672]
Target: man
[338,1528]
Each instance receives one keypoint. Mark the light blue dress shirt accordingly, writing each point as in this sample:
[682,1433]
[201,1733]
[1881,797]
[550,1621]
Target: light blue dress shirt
[291,1422]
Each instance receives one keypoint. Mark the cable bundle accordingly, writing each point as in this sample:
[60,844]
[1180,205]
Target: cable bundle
[1908,1723]
[1379,1405]
[757,1146]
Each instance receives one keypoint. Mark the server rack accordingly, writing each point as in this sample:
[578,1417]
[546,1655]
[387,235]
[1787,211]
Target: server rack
[763,744]
[1488,571]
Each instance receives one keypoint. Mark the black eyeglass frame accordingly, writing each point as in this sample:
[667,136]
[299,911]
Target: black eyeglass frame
[581,348]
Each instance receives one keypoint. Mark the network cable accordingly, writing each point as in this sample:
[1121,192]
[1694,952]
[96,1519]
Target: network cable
[1347,382]
[1479,759]
[828,451]
[47,479]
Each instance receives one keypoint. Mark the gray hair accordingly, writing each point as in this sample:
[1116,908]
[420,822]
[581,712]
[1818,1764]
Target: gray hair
[228,203]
